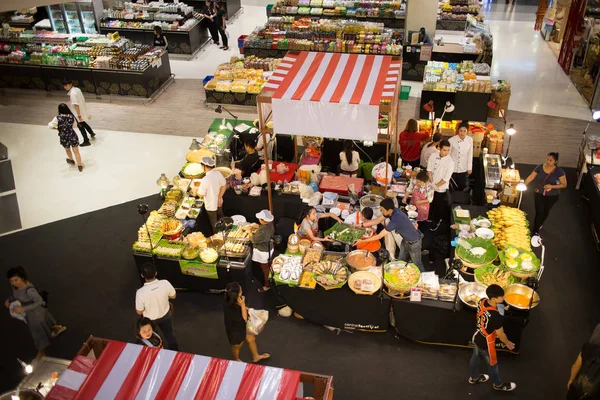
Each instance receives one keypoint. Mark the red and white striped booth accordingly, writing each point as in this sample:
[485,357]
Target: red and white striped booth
[332,95]
[130,371]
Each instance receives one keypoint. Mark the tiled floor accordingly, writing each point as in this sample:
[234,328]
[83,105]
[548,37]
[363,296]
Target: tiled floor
[122,165]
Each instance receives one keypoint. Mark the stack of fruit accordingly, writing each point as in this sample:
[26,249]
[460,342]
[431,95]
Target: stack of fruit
[510,227]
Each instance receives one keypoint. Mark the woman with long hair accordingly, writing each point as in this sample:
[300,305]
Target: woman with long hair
[550,180]
[410,143]
[349,159]
[63,122]
[236,317]
[27,302]
[309,224]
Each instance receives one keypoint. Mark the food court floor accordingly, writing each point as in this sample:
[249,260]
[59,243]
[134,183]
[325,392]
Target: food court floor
[86,264]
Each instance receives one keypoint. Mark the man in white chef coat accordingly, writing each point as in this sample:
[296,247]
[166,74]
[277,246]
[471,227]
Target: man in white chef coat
[461,151]
[440,167]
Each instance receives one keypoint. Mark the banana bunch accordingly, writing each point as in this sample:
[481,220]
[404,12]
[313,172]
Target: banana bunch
[510,227]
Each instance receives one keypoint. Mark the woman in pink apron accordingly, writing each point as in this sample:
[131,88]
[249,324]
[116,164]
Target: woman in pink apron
[421,195]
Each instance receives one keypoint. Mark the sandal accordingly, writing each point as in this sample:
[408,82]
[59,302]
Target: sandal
[69,161]
[80,167]
[58,331]
[264,289]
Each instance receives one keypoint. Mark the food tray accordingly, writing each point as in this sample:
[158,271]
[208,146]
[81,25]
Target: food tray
[235,254]
[325,269]
[350,233]
[307,281]
[481,272]
[364,275]
[396,284]
[518,271]
[242,233]
[332,256]
[312,254]
[475,262]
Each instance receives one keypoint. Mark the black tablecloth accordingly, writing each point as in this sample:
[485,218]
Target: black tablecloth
[339,308]
[435,322]
[592,193]
[284,205]
[170,270]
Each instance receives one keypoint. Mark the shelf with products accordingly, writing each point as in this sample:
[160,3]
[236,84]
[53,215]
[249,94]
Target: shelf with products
[457,77]
[342,36]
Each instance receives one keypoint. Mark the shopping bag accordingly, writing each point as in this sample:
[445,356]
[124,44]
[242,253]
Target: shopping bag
[256,321]
[11,308]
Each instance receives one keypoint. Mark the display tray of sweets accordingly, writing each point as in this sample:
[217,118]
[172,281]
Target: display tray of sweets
[234,248]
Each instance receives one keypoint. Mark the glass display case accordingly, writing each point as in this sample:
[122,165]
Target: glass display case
[86,13]
[72,14]
[57,18]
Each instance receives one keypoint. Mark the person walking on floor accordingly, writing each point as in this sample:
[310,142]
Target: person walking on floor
[461,151]
[221,23]
[64,122]
[212,189]
[584,381]
[210,14]
[489,328]
[152,301]
[79,109]
[27,304]
[261,245]
[410,247]
[440,167]
[551,179]
[236,317]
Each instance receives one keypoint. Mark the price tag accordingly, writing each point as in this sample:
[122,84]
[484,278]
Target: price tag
[415,294]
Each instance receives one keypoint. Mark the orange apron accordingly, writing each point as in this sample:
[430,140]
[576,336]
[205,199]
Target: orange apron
[490,338]
[315,231]
[369,246]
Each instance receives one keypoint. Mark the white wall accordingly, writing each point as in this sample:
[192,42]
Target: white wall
[421,13]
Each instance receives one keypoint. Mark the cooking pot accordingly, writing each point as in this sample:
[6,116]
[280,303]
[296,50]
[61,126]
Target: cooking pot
[373,201]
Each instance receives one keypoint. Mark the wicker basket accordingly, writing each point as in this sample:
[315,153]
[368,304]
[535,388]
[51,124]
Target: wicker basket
[471,265]
[303,244]
[364,275]
[522,275]
[292,248]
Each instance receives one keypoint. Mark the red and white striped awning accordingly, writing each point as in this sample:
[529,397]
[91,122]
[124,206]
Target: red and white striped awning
[134,372]
[331,94]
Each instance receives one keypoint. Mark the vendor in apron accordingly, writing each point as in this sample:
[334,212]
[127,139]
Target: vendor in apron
[420,193]
[489,328]
[309,225]
[261,245]
[357,219]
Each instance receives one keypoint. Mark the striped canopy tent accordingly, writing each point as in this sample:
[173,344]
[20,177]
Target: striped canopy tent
[130,371]
[332,95]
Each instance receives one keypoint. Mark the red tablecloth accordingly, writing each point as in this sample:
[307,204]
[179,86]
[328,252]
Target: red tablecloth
[339,184]
[275,177]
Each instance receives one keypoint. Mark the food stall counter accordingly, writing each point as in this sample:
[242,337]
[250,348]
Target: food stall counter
[339,184]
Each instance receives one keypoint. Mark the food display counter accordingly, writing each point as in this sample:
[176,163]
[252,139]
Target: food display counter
[186,42]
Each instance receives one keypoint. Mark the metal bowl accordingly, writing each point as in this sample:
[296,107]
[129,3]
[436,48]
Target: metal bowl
[371,261]
[467,289]
[517,288]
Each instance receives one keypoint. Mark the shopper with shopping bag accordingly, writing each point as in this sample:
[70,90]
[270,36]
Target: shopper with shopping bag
[242,324]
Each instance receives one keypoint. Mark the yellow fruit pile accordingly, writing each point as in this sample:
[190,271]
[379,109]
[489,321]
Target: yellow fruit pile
[510,227]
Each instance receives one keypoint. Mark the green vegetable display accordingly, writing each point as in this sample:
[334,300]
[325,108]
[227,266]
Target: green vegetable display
[345,233]
[491,252]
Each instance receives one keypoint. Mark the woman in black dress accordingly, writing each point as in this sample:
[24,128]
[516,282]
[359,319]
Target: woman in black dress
[220,22]
[236,316]
[210,14]
[159,38]
[63,122]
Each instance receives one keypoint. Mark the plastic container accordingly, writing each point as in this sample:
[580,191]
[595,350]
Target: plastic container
[404,92]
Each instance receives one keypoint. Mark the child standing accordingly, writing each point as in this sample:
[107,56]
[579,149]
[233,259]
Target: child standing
[64,122]
[421,194]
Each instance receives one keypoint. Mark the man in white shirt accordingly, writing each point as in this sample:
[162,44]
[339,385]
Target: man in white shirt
[152,301]
[429,149]
[212,188]
[79,110]
[440,168]
[461,151]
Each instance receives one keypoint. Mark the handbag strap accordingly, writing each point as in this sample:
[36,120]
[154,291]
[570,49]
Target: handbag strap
[541,184]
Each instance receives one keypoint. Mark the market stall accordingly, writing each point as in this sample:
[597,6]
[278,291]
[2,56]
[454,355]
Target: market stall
[473,44]
[105,66]
[125,369]
[452,14]
[180,25]
[239,81]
